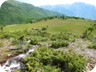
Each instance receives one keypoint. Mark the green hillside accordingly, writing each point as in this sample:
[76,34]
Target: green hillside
[12,12]
[77,26]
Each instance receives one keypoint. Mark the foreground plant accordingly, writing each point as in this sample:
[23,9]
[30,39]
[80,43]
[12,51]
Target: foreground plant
[48,60]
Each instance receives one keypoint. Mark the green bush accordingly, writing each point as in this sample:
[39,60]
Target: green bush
[59,44]
[5,35]
[34,41]
[49,60]
[92,46]
[44,28]
[63,36]
[60,36]
[39,32]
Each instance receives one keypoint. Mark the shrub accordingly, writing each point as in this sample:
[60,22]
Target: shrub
[5,35]
[34,41]
[44,28]
[39,32]
[92,46]
[87,33]
[59,44]
[49,60]
[61,36]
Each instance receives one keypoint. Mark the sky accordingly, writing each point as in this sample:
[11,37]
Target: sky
[1,1]
[53,2]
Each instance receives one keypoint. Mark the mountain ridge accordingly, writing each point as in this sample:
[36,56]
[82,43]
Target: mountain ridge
[78,9]
[12,12]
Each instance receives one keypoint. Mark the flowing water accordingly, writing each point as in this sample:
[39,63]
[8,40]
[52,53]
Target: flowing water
[14,62]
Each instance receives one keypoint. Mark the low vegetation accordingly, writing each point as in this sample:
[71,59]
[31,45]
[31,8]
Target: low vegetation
[48,60]
[1,44]
[38,36]
[92,46]
[89,31]
[59,44]
[51,34]
[70,25]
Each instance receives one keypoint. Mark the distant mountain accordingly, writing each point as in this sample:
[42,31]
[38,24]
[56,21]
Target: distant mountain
[57,8]
[78,9]
[12,12]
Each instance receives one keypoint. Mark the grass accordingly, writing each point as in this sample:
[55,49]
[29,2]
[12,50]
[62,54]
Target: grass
[1,44]
[77,26]
[55,25]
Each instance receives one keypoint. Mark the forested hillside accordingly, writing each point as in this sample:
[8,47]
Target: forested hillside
[13,11]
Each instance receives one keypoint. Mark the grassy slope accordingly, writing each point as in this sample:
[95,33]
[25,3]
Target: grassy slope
[55,25]
[18,12]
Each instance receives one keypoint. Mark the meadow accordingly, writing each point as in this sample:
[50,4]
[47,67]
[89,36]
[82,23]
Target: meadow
[77,26]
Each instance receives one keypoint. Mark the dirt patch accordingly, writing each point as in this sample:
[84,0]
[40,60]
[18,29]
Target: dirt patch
[4,54]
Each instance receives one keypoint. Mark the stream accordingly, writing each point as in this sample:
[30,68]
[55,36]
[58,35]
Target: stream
[14,63]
